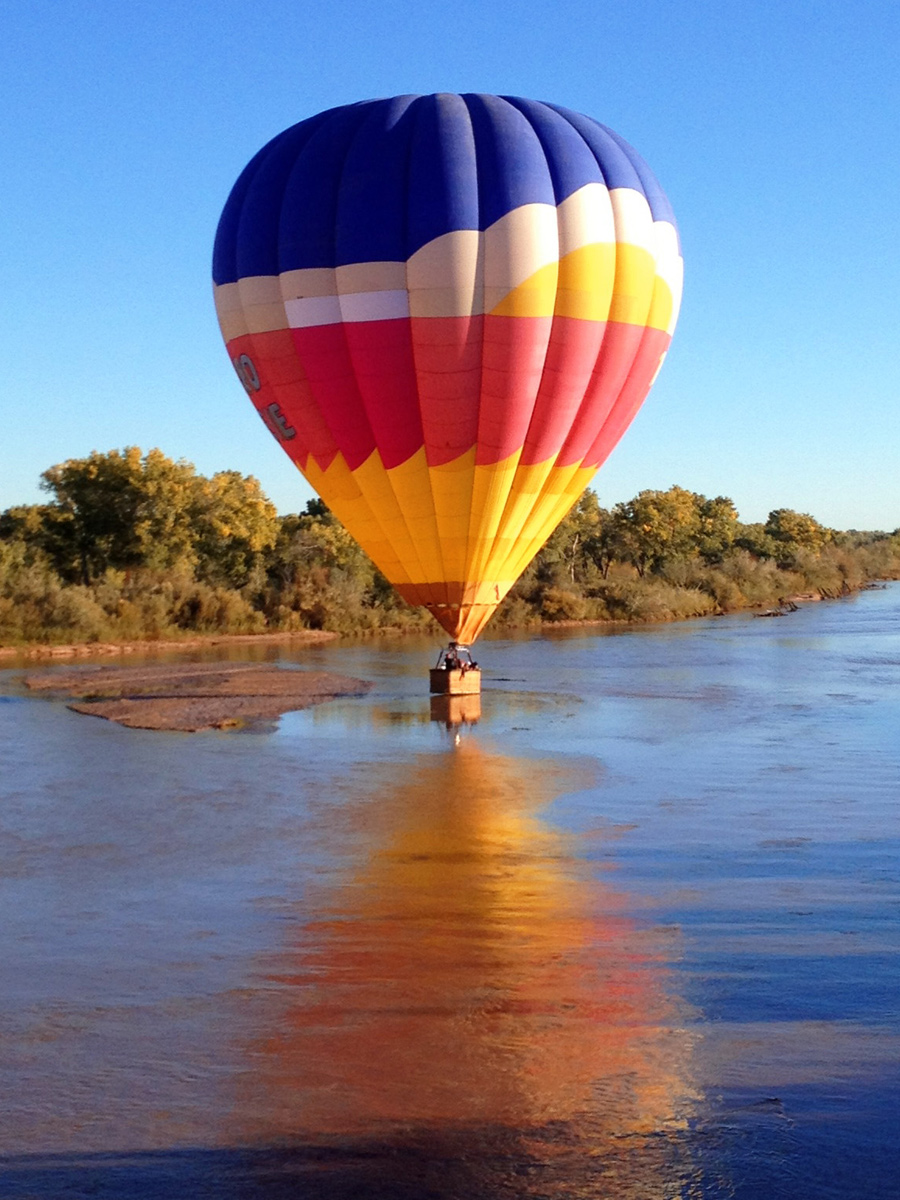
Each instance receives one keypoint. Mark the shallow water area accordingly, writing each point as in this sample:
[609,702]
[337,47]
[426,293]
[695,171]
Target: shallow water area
[633,934]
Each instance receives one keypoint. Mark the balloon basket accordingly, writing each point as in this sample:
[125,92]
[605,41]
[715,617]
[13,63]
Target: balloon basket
[455,683]
[456,673]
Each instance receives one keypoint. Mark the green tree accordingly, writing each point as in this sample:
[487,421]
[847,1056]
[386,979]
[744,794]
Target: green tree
[233,525]
[572,547]
[124,509]
[120,510]
[94,513]
[656,526]
[25,526]
[316,539]
[794,535]
[717,526]
[755,540]
[166,506]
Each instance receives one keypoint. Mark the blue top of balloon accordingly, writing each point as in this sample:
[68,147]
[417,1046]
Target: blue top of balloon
[377,180]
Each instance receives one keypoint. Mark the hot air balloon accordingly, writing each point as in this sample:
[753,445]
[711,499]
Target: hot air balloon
[448,309]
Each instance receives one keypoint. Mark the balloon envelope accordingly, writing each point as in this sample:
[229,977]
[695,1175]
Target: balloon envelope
[448,309]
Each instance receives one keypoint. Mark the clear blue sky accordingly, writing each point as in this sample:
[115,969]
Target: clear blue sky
[773,126]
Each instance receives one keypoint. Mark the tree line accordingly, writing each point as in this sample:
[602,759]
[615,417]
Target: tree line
[134,545]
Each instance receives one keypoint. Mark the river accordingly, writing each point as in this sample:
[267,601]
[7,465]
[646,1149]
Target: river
[633,934]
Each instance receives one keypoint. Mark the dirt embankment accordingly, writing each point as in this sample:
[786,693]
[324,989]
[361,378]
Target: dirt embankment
[193,696]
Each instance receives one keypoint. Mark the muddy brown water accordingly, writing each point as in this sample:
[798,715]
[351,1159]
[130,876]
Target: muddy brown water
[633,935]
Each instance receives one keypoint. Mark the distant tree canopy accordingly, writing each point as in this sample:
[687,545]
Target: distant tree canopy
[793,529]
[125,509]
[133,544]
[656,527]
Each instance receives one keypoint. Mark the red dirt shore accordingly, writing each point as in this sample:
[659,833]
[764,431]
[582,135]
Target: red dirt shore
[188,697]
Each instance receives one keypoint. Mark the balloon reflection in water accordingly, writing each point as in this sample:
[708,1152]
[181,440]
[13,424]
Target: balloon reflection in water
[473,983]
[455,711]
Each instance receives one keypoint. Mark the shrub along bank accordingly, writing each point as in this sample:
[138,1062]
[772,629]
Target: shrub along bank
[134,546]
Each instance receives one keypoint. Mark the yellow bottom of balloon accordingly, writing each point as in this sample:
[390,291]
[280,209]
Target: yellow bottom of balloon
[453,537]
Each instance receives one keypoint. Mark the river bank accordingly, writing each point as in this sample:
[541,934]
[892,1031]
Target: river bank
[652,615]
[661,557]
[161,645]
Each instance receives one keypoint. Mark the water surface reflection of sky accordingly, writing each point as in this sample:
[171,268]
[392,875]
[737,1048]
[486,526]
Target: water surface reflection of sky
[635,935]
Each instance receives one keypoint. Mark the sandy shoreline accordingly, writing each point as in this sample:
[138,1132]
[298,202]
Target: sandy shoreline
[161,645]
[37,650]
[187,697]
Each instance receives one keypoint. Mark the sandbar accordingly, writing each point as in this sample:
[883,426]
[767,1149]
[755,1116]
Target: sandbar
[188,697]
